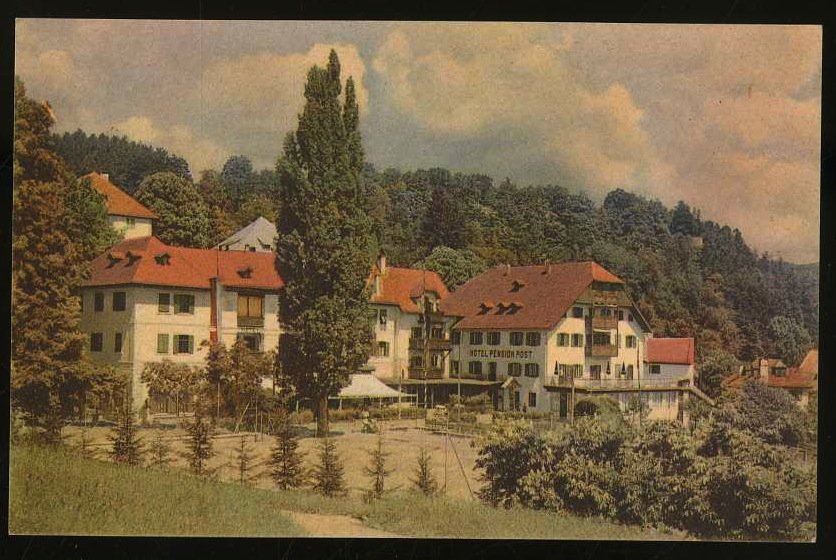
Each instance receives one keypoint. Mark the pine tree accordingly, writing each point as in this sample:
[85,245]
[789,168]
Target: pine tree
[328,474]
[160,450]
[424,479]
[199,445]
[285,460]
[376,470]
[325,247]
[244,460]
[127,447]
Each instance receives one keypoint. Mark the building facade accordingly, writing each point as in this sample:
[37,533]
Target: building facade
[126,214]
[146,301]
[412,339]
[546,335]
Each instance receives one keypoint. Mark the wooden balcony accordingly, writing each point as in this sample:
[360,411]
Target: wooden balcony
[419,372]
[618,383]
[257,322]
[602,351]
[602,322]
[435,344]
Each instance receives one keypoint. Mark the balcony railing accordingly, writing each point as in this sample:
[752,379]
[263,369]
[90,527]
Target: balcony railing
[598,322]
[250,321]
[434,343]
[619,383]
[602,350]
[419,372]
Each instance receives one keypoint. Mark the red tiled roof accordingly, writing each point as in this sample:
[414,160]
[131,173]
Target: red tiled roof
[810,363]
[670,351]
[398,286]
[186,268]
[546,294]
[119,203]
[794,379]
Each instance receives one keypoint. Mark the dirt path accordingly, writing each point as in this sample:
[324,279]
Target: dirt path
[318,525]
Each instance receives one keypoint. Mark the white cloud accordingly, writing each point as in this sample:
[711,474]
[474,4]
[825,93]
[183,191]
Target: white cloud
[201,153]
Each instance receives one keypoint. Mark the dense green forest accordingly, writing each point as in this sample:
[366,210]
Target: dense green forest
[689,276]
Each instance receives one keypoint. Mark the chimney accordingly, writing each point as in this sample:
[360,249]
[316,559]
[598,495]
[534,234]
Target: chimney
[377,285]
[507,269]
[106,176]
[381,262]
[763,370]
[547,268]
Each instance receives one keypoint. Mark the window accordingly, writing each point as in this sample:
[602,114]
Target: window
[162,344]
[98,301]
[436,360]
[532,370]
[532,400]
[251,340]
[629,372]
[183,303]
[601,339]
[577,340]
[595,372]
[655,369]
[183,344]
[514,369]
[474,368]
[516,339]
[476,337]
[437,333]
[249,306]
[629,316]
[416,361]
[383,318]
[456,337]
[117,342]
[118,301]
[164,303]
[563,339]
[96,342]
[383,349]
[532,339]
[454,367]
[494,338]
[578,371]
[577,312]
[492,371]
[620,314]
[417,332]
[630,341]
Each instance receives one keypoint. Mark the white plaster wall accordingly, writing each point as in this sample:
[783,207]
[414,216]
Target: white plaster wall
[142,227]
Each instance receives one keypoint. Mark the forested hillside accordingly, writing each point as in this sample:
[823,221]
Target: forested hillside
[689,276]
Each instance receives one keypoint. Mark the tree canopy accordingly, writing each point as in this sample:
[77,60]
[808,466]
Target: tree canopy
[182,216]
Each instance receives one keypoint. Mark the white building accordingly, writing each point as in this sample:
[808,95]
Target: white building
[126,214]
[545,335]
[409,328]
[146,301]
[259,236]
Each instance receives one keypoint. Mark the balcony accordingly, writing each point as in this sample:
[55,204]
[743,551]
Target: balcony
[418,372]
[618,383]
[602,351]
[598,322]
[435,344]
[251,322]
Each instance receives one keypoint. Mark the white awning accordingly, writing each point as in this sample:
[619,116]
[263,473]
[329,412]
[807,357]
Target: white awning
[366,385]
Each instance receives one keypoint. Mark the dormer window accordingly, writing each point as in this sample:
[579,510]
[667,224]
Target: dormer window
[501,308]
[516,285]
[513,308]
[132,258]
[484,307]
[163,259]
[246,272]
[114,258]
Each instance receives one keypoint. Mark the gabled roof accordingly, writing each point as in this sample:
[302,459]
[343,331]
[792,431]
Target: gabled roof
[260,234]
[544,293]
[119,203]
[401,286]
[810,363]
[143,260]
[670,351]
[366,385]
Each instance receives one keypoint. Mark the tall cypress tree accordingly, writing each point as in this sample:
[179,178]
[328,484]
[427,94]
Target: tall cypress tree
[325,246]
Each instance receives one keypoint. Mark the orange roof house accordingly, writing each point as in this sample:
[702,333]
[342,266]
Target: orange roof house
[533,297]
[119,203]
[670,351]
[149,261]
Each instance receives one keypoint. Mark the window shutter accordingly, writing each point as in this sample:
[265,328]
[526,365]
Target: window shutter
[191,344]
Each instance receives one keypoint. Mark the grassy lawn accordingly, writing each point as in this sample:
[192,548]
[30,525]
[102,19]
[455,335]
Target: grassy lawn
[58,492]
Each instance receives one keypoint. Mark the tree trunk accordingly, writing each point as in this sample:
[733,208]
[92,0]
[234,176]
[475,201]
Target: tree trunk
[321,413]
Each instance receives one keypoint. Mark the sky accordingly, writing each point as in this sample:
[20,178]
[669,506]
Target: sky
[724,117]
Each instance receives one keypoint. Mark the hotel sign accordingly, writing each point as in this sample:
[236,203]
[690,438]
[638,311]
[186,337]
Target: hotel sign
[501,353]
